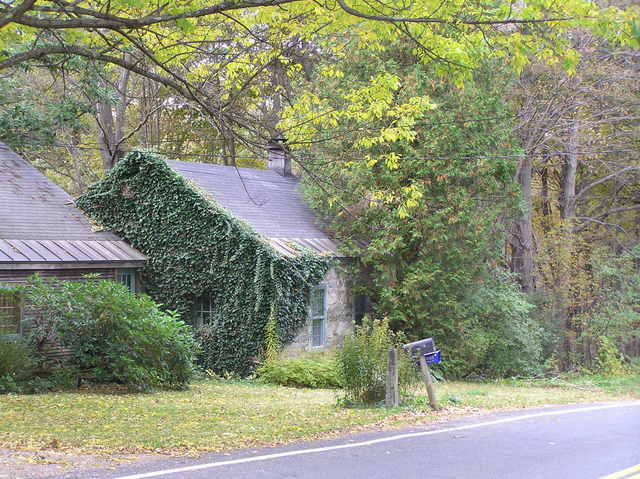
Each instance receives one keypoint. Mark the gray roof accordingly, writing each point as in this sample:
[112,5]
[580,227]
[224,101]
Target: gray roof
[39,223]
[268,202]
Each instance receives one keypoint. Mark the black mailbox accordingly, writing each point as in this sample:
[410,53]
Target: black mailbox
[422,347]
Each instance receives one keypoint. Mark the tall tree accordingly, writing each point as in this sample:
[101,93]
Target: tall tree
[195,47]
[426,212]
[582,164]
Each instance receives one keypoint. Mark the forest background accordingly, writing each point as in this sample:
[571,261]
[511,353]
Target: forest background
[485,153]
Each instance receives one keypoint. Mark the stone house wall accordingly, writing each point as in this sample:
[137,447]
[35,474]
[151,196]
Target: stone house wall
[339,318]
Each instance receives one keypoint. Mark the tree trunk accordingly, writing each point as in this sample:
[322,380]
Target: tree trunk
[521,240]
[544,194]
[570,171]
[111,126]
[566,306]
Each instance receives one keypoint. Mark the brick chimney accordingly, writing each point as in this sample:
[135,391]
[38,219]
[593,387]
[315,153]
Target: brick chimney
[278,158]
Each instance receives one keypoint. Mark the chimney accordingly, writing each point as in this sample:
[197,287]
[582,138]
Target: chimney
[279,159]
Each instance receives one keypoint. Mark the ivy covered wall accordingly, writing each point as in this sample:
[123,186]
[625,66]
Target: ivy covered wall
[195,247]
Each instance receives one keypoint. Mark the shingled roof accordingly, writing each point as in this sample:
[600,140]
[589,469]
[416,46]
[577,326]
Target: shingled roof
[40,226]
[269,202]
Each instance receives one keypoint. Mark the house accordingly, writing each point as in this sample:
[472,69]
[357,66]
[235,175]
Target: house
[270,203]
[41,231]
[212,233]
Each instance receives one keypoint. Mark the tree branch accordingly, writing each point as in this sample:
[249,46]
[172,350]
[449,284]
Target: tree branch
[41,52]
[604,179]
[91,19]
[14,14]
[596,219]
[385,18]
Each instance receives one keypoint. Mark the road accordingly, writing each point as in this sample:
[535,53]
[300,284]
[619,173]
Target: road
[571,442]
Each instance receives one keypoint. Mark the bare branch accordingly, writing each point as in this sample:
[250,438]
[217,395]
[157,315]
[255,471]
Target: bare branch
[42,52]
[92,19]
[604,179]
[596,219]
[14,14]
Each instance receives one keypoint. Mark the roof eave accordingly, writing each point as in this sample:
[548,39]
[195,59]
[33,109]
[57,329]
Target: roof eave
[49,265]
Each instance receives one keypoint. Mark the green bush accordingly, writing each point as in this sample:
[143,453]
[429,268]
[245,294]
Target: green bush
[609,360]
[363,359]
[61,378]
[495,335]
[314,371]
[17,359]
[119,336]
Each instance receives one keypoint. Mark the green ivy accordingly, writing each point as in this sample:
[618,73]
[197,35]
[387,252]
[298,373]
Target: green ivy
[194,247]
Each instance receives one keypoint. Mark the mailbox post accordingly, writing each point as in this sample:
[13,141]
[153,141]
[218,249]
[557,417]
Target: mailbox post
[423,349]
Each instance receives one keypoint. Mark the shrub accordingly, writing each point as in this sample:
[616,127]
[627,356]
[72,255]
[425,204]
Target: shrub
[17,360]
[121,337]
[314,371]
[363,361]
[609,360]
[495,335]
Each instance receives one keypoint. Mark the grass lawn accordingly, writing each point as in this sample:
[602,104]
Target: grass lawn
[220,415]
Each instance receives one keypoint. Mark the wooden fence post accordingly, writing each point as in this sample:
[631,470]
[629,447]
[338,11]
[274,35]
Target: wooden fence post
[392,397]
[424,367]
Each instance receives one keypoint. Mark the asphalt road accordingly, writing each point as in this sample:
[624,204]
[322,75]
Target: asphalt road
[575,442]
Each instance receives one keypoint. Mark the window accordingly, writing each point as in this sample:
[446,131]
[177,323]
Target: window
[318,315]
[128,278]
[204,311]
[360,303]
[10,316]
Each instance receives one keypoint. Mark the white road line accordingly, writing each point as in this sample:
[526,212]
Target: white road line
[398,437]
[626,473]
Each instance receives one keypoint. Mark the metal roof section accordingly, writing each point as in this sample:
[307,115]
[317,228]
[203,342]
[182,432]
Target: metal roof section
[40,225]
[267,201]
[293,246]
[59,251]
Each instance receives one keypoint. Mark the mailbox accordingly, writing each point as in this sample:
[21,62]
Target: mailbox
[434,357]
[424,351]
[424,346]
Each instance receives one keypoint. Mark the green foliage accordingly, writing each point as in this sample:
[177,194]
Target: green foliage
[195,247]
[363,362]
[610,312]
[609,361]
[432,209]
[495,334]
[271,340]
[31,120]
[64,377]
[33,385]
[17,360]
[315,371]
[120,337]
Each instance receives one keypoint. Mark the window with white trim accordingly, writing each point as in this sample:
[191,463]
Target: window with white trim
[318,315]
[10,317]
[128,278]
[204,311]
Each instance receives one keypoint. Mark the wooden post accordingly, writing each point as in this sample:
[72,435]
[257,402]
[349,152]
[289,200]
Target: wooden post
[392,397]
[424,367]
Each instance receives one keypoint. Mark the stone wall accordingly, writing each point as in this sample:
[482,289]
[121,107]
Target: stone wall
[339,319]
